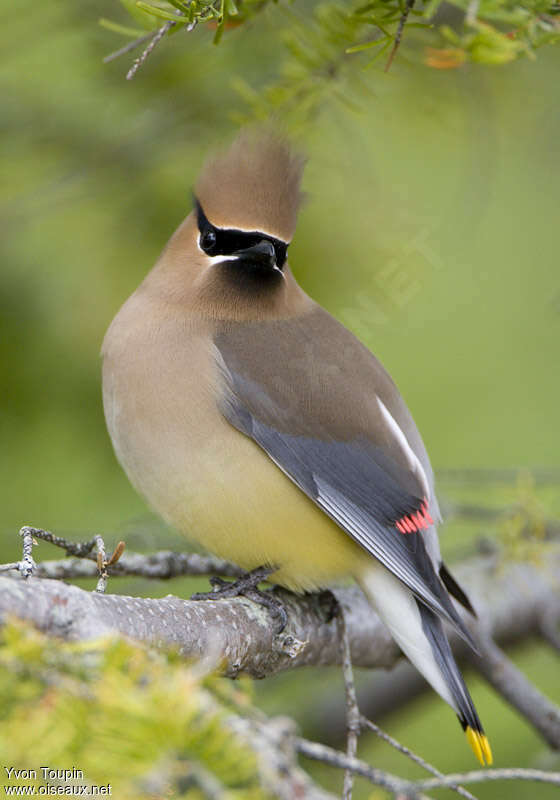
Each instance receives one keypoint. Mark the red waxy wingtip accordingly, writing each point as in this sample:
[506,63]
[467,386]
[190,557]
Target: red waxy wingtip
[419,520]
[426,514]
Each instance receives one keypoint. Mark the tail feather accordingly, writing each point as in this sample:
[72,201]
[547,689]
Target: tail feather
[420,635]
[466,711]
[454,589]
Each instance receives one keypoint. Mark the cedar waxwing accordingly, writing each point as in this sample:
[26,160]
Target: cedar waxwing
[256,424]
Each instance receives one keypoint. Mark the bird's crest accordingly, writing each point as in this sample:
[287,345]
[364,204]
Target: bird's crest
[253,186]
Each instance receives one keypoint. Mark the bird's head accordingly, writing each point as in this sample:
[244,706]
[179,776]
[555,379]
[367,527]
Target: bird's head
[232,248]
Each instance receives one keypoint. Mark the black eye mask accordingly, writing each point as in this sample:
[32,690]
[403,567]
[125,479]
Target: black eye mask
[226,242]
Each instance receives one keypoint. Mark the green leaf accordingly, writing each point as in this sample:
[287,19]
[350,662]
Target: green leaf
[180,5]
[358,48]
[379,53]
[159,12]
[123,29]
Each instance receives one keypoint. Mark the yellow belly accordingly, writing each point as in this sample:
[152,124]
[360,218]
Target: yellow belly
[249,512]
[205,478]
[221,489]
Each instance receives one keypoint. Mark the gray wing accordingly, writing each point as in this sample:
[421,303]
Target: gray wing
[310,409]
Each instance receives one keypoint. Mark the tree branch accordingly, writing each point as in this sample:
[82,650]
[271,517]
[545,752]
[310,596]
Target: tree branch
[413,790]
[510,602]
[352,710]
[163,564]
[394,784]
[406,751]
[483,775]
[154,41]
[128,47]
[273,742]
[519,692]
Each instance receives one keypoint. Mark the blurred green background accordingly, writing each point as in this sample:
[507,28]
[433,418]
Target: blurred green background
[431,230]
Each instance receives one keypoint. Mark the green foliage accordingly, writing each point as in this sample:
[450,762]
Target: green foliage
[328,45]
[124,715]
[188,13]
[317,68]
[522,532]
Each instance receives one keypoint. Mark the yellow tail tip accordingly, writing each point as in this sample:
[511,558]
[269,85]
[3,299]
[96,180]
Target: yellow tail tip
[480,746]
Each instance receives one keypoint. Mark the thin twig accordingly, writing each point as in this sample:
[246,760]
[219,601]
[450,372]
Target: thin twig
[352,710]
[128,47]
[156,39]
[163,564]
[367,723]
[409,789]
[482,776]
[101,565]
[327,755]
[78,549]
[27,563]
[404,16]
[511,683]
[103,562]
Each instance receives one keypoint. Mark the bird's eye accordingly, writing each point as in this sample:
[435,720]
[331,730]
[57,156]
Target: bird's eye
[208,239]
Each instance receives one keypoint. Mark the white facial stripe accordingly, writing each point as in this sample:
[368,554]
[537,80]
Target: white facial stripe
[411,457]
[220,259]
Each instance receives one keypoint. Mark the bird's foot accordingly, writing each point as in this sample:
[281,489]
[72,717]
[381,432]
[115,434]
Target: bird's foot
[247,586]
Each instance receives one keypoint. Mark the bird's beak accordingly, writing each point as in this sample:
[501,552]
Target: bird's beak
[261,255]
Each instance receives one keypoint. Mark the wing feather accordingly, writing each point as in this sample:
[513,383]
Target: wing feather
[353,482]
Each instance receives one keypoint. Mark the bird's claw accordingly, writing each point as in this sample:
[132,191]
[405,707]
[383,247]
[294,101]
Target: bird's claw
[247,586]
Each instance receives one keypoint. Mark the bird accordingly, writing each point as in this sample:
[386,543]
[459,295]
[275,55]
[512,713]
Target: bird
[258,425]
